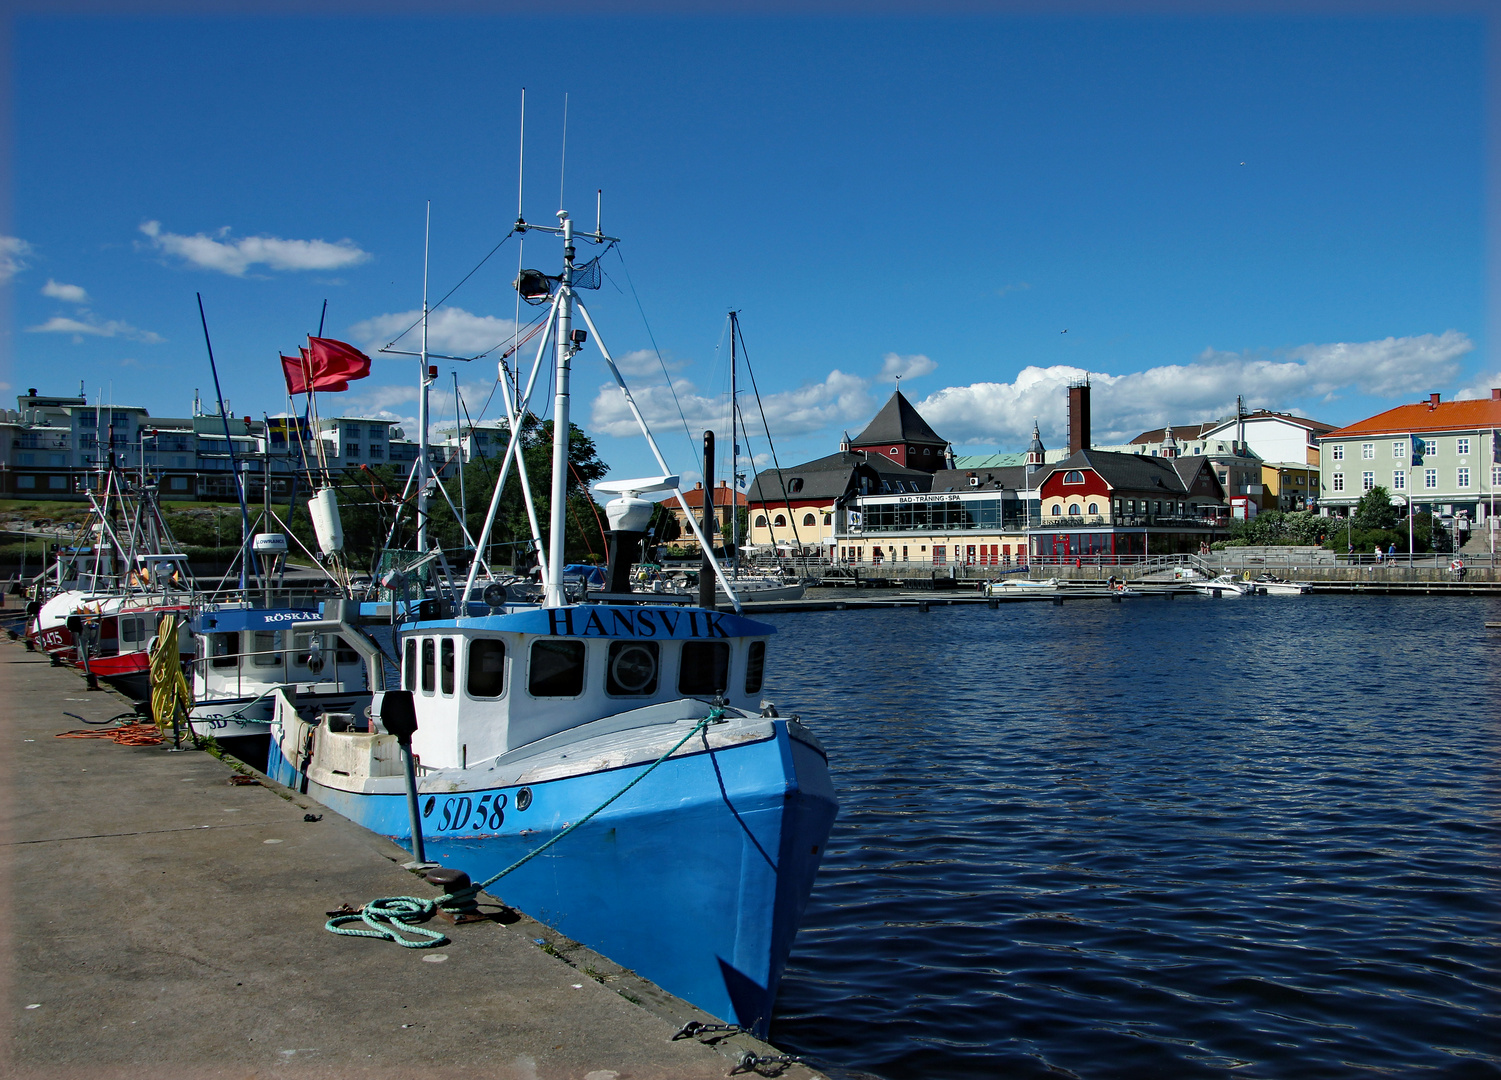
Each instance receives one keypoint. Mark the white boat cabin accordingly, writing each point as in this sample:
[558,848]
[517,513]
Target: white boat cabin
[243,652]
[485,686]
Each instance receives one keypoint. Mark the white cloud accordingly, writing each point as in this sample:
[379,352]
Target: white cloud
[1017,286]
[894,367]
[450,330]
[838,398]
[78,328]
[1480,389]
[230,256]
[73,294]
[645,362]
[13,252]
[1124,405]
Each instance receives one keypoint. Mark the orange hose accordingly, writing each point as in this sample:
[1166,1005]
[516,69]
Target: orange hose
[125,734]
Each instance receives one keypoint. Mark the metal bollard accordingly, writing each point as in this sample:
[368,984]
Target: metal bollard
[463,908]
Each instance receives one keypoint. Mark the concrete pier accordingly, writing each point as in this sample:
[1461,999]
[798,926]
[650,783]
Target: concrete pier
[165,922]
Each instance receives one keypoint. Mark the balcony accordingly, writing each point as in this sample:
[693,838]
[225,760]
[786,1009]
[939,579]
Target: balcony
[37,441]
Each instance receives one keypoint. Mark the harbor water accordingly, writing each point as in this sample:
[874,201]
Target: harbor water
[1160,838]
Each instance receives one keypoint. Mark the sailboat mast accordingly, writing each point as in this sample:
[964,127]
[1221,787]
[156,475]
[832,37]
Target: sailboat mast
[566,347]
[734,453]
[422,397]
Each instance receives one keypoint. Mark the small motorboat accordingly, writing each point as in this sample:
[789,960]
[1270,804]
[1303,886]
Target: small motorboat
[1268,585]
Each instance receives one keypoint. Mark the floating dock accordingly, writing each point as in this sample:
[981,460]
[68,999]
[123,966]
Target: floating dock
[167,921]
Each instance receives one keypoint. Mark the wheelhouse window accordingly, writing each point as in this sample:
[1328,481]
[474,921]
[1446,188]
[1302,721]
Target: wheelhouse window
[224,649]
[755,665]
[705,668]
[446,666]
[487,668]
[632,668]
[409,670]
[556,668]
[265,648]
[429,665]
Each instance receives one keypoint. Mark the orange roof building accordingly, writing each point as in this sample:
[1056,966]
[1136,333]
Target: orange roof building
[1460,468]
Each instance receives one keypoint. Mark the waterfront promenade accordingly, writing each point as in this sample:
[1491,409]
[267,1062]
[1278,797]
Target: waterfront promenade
[163,921]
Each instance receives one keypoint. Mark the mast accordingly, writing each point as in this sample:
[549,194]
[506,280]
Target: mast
[566,347]
[734,453]
[458,427]
[422,397]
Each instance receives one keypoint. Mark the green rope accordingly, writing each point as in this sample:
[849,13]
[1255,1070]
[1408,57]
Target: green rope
[386,915]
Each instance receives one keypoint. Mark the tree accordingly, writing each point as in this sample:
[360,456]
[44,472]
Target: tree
[1375,510]
[510,542]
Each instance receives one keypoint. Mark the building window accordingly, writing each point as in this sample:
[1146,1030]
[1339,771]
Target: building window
[25,482]
[1430,478]
[895,450]
[377,451]
[1339,481]
[57,483]
[1074,510]
[1073,476]
[1430,446]
[1399,449]
[1496,476]
[1367,481]
[1337,451]
[781,521]
[810,520]
[828,519]
[795,485]
[760,521]
[1094,509]
[1399,481]
[1368,450]
[940,554]
[1462,447]
[1057,510]
[1462,477]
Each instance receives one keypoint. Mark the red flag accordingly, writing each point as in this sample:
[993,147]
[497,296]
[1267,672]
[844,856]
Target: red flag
[336,360]
[326,365]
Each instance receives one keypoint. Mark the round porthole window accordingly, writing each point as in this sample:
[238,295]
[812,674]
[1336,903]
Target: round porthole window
[523,798]
[633,668]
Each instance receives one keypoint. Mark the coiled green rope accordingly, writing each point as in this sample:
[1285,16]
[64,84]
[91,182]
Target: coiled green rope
[390,916]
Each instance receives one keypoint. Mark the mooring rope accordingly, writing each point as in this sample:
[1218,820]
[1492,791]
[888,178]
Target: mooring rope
[385,915]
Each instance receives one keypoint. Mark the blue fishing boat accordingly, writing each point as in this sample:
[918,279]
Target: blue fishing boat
[690,816]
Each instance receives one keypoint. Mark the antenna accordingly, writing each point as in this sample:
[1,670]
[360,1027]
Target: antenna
[521,162]
[599,203]
[562,168]
[321,317]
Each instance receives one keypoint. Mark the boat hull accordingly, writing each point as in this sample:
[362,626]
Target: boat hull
[696,878]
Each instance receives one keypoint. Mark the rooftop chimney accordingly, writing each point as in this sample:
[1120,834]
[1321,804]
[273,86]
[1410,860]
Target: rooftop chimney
[1496,393]
[1432,401]
[1078,417]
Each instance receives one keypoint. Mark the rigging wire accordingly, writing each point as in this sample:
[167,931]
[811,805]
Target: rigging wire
[781,479]
[692,450]
[451,291]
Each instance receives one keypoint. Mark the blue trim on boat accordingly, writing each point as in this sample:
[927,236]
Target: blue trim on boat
[696,878]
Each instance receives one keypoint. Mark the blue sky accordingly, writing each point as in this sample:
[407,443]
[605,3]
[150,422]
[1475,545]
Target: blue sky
[1291,209]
